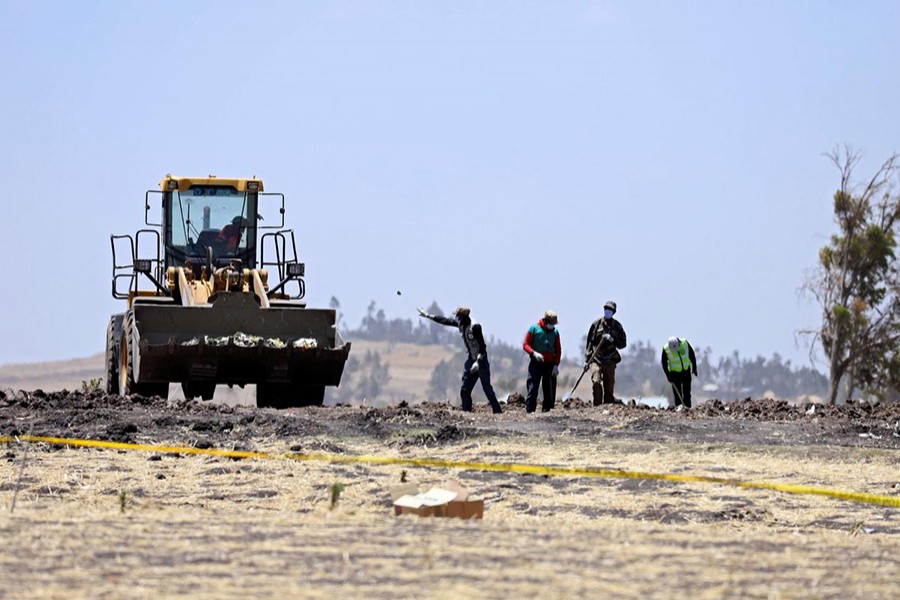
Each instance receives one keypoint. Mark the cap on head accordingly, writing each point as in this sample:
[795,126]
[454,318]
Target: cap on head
[610,305]
[239,220]
[550,318]
[462,311]
[673,343]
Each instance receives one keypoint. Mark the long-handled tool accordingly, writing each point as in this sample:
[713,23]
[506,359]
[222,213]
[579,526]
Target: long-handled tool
[679,394]
[568,394]
[587,365]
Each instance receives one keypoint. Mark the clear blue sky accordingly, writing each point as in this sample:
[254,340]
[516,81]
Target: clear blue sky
[512,156]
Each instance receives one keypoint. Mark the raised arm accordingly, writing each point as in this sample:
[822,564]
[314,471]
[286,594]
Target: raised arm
[438,319]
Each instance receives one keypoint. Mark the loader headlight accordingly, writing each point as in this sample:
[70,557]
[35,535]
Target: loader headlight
[171,185]
[253,186]
[296,269]
[143,265]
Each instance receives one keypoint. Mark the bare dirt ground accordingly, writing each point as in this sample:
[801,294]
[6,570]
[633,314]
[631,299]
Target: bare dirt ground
[114,524]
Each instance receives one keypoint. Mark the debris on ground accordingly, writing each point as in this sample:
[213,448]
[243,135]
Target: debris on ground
[449,500]
[97,415]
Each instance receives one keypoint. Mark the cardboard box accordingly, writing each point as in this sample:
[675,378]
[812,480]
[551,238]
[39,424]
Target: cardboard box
[450,500]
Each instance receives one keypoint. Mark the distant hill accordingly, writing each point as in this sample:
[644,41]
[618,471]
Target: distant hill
[53,375]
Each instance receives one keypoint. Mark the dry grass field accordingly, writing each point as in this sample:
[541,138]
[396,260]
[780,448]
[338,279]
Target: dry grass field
[115,524]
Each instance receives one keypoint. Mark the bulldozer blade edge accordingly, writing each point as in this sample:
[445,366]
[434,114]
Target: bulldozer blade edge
[235,341]
[237,365]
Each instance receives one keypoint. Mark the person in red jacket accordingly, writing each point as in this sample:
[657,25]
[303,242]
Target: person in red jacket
[543,347]
[231,233]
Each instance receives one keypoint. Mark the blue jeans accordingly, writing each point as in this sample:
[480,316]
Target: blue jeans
[469,380]
[540,375]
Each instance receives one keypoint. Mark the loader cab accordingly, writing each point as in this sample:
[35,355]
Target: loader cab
[210,218]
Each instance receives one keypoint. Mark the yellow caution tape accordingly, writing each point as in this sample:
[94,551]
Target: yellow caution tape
[859,497]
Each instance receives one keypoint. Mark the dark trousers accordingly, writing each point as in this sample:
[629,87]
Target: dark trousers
[469,380]
[681,388]
[540,375]
[603,378]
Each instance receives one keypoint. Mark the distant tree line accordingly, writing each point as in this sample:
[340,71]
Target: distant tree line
[856,285]
[364,379]
[639,374]
[376,326]
[727,377]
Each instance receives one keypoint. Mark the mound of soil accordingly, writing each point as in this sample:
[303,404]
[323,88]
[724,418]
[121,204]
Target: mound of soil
[97,415]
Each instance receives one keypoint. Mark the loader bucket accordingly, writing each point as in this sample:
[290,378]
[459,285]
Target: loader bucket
[235,341]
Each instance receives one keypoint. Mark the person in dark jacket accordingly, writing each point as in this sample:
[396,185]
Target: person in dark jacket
[604,340]
[477,365]
[543,347]
[678,362]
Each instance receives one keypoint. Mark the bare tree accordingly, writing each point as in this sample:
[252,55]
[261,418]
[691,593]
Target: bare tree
[857,282]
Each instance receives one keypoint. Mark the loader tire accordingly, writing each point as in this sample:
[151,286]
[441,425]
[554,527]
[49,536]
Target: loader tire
[112,370]
[311,395]
[274,395]
[127,385]
[285,395]
[198,389]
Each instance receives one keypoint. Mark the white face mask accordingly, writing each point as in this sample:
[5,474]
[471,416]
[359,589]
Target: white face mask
[549,327]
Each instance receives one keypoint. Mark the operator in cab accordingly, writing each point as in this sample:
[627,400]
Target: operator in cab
[231,233]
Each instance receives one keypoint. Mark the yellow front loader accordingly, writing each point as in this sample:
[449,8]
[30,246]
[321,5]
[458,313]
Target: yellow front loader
[223,302]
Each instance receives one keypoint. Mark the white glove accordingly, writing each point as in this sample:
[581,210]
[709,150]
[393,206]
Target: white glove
[422,313]
[474,368]
[537,356]
[555,370]
[607,337]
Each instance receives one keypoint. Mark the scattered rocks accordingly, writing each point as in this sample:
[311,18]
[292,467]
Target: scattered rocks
[121,432]
[96,415]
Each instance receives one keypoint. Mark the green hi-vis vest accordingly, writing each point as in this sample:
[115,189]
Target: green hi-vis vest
[679,361]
